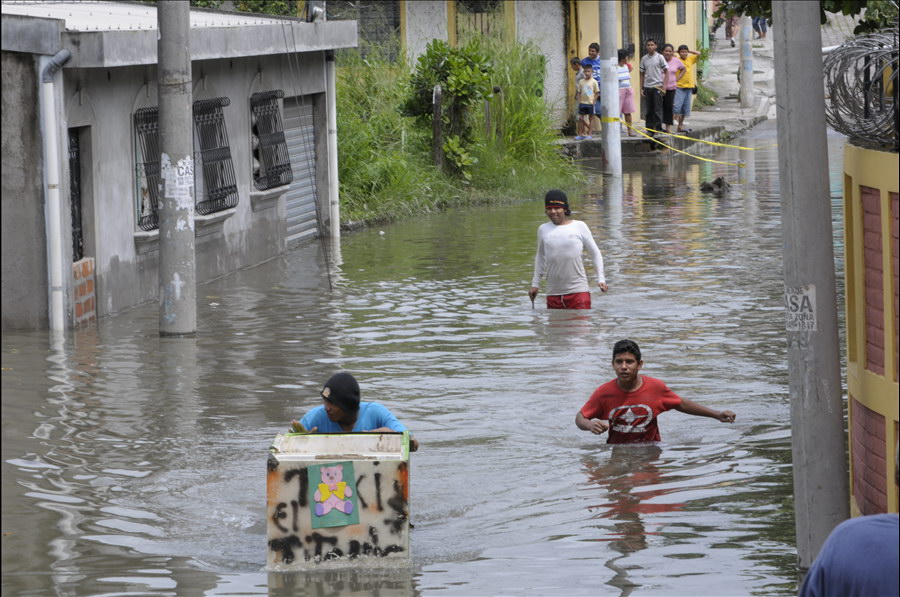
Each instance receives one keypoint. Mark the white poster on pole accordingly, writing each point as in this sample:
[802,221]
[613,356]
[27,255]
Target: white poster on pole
[800,308]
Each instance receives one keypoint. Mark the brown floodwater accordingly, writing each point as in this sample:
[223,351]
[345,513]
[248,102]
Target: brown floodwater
[136,465]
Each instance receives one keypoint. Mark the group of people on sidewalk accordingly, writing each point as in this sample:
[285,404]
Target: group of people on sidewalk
[668,84]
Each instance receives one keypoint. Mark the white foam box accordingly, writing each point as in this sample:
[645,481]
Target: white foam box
[337,496]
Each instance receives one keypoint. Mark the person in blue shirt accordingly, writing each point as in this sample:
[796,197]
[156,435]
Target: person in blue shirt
[343,412]
[860,558]
[594,59]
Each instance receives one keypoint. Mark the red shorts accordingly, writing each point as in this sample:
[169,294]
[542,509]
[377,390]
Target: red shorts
[576,300]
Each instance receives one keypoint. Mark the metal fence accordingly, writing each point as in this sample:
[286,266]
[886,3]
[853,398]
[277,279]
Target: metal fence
[378,25]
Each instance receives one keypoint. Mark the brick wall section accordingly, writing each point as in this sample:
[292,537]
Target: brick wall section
[85,293]
[895,265]
[874,278]
[868,454]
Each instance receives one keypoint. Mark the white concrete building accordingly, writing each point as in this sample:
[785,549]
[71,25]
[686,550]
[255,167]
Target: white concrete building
[259,91]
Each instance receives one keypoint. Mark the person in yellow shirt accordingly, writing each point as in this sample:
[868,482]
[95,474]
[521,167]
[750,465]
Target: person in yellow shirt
[685,86]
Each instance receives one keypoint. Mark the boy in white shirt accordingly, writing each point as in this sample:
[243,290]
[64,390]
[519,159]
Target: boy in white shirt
[561,242]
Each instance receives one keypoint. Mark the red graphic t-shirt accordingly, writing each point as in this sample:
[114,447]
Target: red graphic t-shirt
[631,415]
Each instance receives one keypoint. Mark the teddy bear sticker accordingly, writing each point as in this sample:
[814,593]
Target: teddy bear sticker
[332,492]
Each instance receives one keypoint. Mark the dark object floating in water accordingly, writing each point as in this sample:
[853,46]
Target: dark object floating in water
[718,187]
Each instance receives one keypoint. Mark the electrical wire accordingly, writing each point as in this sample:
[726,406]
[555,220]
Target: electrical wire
[298,92]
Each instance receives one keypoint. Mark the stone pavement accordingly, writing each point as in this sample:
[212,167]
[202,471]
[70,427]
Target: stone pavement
[726,117]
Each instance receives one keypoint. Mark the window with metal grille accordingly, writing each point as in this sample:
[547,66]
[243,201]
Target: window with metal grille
[271,162]
[680,12]
[146,130]
[219,184]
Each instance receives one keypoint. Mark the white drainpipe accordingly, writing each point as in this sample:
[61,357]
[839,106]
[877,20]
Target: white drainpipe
[51,162]
[331,108]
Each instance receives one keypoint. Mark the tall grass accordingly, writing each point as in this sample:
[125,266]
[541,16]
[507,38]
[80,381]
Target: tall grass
[519,152]
[385,163]
[382,155]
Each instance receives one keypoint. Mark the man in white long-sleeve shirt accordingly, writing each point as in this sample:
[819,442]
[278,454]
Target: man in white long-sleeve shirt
[561,242]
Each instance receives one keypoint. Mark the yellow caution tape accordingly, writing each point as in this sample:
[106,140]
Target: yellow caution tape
[738,164]
[609,119]
[701,140]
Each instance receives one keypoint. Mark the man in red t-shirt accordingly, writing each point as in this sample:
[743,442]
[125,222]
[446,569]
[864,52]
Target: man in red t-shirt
[629,405]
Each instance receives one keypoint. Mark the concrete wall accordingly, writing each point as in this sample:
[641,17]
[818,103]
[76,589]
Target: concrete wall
[101,103]
[126,260]
[690,32]
[24,272]
[425,20]
[543,23]
[871,212]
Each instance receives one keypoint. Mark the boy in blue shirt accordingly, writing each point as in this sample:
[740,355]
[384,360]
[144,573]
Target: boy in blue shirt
[594,58]
[342,412]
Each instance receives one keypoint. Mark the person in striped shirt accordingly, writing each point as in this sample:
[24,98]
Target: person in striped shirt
[626,93]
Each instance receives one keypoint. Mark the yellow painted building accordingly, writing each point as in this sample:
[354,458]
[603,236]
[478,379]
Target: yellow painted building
[871,236]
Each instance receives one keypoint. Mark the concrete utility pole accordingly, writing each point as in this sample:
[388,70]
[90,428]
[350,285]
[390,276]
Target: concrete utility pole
[821,487]
[177,280]
[609,94]
[746,37]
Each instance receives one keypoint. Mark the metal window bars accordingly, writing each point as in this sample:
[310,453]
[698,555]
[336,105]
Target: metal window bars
[146,127]
[271,161]
[215,154]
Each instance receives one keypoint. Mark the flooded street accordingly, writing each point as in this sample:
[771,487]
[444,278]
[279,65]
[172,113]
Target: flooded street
[136,465]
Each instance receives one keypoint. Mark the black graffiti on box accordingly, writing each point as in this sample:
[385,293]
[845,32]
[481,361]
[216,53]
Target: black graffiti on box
[315,545]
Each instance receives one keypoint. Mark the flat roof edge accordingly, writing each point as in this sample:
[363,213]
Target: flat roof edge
[31,35]
[108,49]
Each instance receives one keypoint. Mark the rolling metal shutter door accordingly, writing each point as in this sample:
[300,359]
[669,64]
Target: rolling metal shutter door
[300,203]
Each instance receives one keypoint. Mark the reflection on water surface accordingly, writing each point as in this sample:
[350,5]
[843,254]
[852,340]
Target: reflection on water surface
[134,464]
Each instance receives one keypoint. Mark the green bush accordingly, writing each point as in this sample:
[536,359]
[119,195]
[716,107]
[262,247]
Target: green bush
[384,138]
[464,75]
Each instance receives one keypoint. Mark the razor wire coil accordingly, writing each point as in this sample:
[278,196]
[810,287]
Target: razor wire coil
[861,77]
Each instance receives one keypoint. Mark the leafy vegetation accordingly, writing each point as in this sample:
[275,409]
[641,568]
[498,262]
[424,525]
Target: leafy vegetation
[705,96]
[877,14]
[502,146]
[464,75]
